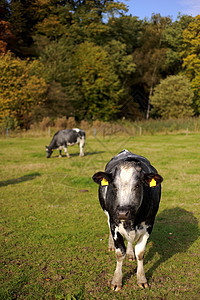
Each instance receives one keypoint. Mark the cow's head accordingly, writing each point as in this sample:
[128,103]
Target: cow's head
[123,188]
[48,151]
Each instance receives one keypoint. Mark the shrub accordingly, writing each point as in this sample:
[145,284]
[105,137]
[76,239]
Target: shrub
[45,123]
[84,125]
[71,123]
[61,123]
[172,98]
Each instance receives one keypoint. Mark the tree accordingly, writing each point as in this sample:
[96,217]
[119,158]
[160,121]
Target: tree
[59,73]
[23,17]
[78,20]
[172,98]
[150,57]
[173,38]
[97,82]
[7,39]
[4,9]
[124,68]
[126,29]
[20,90]
[191,58]
[122,62]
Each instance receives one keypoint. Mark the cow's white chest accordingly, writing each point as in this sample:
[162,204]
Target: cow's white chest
[131,236]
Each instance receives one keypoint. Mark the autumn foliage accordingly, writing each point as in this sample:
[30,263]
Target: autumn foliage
[6,36]
[19,90]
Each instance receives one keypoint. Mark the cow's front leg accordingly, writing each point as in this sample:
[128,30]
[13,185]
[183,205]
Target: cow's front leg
[60,151]
[129,252]
[111,246]
[66,152]
[139,252]
[120,252]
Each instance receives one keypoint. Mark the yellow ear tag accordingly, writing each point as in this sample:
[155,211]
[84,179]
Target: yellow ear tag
[152,183]
[104,182]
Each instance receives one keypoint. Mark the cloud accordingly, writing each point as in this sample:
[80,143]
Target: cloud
[191,7]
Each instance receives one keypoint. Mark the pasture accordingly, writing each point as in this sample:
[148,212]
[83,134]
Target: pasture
[54,234]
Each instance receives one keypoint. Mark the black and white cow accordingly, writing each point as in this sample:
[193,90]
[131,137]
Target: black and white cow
[129,194]
[64,138]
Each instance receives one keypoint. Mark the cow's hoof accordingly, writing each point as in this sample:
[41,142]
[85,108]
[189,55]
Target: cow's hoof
[143,285]
[111,249]
[116,288]
[130,257]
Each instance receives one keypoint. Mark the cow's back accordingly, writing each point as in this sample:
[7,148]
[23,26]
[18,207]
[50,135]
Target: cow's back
[80,132]
[65,136]
[126,155]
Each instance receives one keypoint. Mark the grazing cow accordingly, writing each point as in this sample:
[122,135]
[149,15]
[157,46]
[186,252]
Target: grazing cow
[64,138]
[129,194]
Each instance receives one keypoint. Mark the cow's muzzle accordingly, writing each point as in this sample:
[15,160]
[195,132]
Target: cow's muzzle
[123,214]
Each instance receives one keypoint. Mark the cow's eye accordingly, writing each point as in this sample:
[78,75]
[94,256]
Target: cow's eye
[115,188]
[137,186]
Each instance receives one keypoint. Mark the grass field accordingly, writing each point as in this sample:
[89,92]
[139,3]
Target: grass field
[54,235]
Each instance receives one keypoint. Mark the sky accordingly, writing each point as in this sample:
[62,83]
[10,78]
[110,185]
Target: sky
[145,8]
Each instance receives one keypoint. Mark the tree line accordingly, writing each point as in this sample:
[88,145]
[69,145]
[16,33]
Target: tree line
[90,60]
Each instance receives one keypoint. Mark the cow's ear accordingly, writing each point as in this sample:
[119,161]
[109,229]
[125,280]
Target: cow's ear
[152,179]
[102,178]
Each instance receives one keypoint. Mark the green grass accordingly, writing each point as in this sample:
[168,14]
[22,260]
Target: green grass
[54,234]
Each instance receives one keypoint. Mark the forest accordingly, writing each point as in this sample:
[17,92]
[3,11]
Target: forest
[92,60]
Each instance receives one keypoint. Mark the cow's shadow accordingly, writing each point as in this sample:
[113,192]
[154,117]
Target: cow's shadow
[19,179]
[175,230]
[94,152]
[77,154]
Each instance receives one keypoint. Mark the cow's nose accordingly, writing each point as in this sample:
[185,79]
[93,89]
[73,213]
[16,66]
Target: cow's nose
[123,214]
